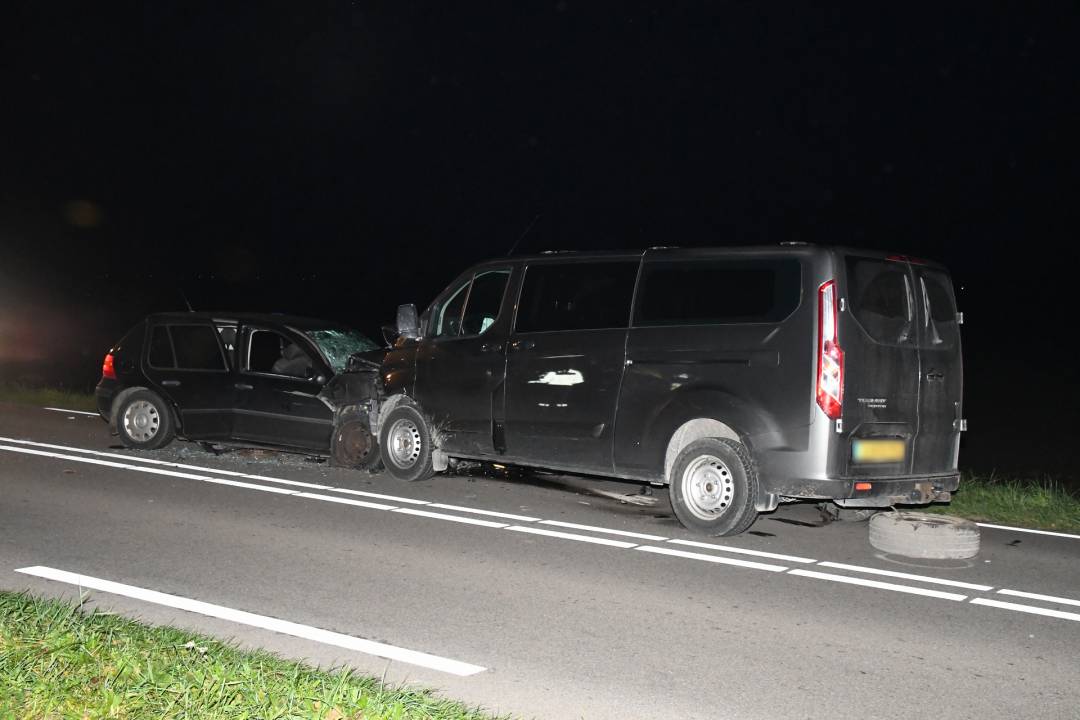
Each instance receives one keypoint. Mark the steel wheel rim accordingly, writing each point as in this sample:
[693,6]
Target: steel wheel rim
[141,421]
[708,487]
[404,443]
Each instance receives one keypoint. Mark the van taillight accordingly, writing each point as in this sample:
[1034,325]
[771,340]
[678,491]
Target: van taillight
[107,369]
[830,364]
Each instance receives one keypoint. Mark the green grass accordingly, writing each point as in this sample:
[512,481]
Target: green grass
[1042,503]
[47,397]
[57,661]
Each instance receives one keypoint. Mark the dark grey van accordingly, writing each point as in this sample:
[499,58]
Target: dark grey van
[740,377]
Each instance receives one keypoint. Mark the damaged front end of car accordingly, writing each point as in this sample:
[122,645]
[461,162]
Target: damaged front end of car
[354,397]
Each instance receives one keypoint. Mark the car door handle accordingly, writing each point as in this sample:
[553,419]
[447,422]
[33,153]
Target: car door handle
[522,345]
[171,383]
[491,347]
[243,386]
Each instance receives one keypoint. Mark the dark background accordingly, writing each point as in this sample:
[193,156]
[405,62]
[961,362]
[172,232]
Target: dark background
[337,159]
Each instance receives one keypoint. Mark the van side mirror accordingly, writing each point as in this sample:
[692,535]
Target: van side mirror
[408,323]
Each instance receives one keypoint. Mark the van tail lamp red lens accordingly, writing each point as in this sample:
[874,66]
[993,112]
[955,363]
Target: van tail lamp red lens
[863,486]
[107,369]
[830,363]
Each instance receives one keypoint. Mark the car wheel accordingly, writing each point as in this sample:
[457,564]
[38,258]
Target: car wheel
[144,421]
[713,485]
[924,535]
[405,444]
[353,445]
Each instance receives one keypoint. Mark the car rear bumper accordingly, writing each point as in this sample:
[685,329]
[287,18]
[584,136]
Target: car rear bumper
[881,492]
[105,393]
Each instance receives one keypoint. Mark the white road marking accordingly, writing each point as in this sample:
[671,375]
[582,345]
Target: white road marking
[877,584]
[571,536]
[1059,614]
[74,412]
[1029,530]
[369,647]
[344,501]
[906,576]
[1036,596]
[743,551]
[478,511]
[451,518]
[593,528]
[711,558]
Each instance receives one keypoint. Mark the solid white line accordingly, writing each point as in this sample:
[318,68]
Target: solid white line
[1036,596]
[624,533]
[571,536]
[711,558]
[74,412]
[905,576]
[1059,614]
[344,501]
[451,518]
[743,551]
[877,584]
[478,511]
[370,647]
[1028,530]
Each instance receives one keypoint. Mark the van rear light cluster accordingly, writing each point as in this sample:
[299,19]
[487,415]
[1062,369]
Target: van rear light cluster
[830,363]
[107,369]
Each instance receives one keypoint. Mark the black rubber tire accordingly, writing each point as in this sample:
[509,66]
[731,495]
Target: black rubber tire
[419,466]
[923,535]
[165,431]
[353,446]
[739,513]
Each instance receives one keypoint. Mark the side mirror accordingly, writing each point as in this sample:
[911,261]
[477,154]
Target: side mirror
[408,323]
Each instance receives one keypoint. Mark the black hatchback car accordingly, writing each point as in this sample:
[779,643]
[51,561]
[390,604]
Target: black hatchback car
[252,379]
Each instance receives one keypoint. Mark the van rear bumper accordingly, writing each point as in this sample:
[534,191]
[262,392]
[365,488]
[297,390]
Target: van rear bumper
[882,492]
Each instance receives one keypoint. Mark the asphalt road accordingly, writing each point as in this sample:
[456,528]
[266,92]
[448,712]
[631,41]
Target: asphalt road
[618,619]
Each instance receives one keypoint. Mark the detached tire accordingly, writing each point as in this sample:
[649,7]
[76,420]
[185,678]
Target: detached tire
[144,421]
[922,535]
[713,487]
[405,444]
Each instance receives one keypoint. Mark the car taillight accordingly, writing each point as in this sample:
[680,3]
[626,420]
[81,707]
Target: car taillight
[107,369]
[830,365]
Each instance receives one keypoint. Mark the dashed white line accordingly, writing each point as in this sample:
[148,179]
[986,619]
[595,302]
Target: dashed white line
[878,584]
[711,558]
[349,642]
[451,518]
[743,551]
[73,412]
[1036,596]
[608,531]
[571,536]
[1030,609]
[344,501]
[478,511]
[905,576]
[1029,530]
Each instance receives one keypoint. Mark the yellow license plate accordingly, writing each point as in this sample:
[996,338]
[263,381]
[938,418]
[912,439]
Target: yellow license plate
[877,451]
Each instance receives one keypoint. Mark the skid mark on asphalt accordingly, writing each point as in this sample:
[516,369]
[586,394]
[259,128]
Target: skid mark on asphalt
[156,467]
[327,637]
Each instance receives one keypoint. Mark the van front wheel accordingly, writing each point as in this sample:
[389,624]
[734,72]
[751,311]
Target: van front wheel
[405,444]
[712,487]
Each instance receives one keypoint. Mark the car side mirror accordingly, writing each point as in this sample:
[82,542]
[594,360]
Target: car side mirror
[408,323]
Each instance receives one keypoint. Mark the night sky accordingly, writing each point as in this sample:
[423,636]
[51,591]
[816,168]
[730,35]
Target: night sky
[337,159]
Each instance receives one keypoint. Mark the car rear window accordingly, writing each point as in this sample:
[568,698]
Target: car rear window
[704,292]
[576,296]
[881,298]
[197,347]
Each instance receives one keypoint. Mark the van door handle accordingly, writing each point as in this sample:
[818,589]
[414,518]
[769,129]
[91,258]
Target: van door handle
[171,383]
[934,376]
[523,345]
[491,347]
[243,386]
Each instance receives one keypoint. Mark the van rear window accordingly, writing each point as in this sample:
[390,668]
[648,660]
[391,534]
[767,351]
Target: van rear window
[881,299]
[706,292]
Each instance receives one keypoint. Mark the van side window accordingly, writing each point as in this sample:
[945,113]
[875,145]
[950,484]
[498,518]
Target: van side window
[484,301]
[448,314]
[706,292]
[196,347]
[881,298]
[576,296]
[161,352]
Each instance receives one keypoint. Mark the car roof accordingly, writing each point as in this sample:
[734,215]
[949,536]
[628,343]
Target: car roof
[293,321]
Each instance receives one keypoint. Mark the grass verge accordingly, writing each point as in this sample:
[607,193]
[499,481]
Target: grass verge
[1042,503]
[47,397]
[58,661]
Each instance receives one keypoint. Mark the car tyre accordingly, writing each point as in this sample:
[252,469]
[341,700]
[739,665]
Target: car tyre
[924,535]
[713,486]
[144,421]
[353,446]
[405,444]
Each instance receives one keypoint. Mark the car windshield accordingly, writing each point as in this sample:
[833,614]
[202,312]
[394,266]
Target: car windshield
[337,345]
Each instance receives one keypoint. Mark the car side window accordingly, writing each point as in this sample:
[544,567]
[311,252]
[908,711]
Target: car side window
[576,296]
[161,350]
[196,348]
[272,353]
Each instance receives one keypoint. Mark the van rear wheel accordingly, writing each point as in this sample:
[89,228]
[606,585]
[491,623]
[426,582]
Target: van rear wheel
[712,487]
